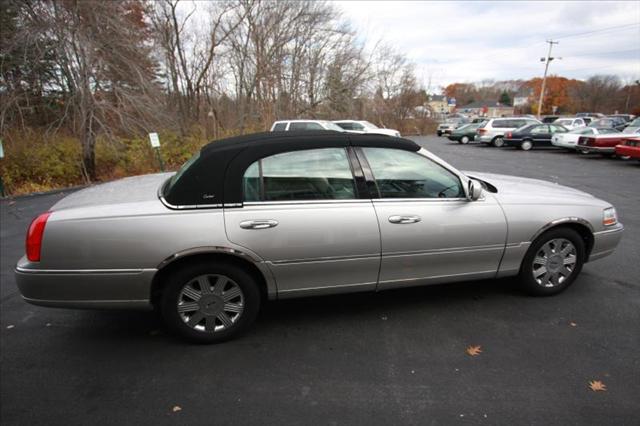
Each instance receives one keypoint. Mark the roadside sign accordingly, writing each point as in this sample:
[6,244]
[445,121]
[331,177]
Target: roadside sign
[155,140]
[1,150]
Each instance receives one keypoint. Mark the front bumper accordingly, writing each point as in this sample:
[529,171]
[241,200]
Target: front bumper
[108,288]
[605,242]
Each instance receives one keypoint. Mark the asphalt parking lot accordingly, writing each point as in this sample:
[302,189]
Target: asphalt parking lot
[395,357]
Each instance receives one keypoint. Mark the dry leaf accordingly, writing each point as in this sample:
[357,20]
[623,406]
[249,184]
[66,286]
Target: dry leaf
[572,324]
[474,350]
[597,386]
[176,408]
[10,326]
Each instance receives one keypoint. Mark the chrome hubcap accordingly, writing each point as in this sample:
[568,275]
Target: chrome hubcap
[210,303]
[554,262]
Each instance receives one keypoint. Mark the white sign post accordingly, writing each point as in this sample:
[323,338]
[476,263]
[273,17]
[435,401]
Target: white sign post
[1,182]
[155,144]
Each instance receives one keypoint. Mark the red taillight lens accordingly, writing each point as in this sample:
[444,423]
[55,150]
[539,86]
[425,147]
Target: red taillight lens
[481,131]
[34,237]
[509,135]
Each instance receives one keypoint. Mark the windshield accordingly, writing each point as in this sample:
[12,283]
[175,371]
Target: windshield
[332,126]
[635,123]
[564,122]
[176,177]
[608,130]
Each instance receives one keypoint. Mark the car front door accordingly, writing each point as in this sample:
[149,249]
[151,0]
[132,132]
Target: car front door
[303,216]
[430,232]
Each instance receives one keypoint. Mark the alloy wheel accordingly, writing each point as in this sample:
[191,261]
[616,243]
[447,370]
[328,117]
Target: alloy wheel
[526,145]
[465,140]
[210,303]
[498,142]
[554,263]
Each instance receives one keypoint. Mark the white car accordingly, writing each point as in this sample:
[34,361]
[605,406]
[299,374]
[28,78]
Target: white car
[289,125]
[569,140]
[361,126]
[571,123]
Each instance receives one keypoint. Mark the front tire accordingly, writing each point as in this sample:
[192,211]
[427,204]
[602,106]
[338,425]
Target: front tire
[553,262]
[210,303]
[464,140]
[498,141]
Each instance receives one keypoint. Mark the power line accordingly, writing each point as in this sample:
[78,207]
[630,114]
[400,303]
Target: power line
[602,53]
[614,28]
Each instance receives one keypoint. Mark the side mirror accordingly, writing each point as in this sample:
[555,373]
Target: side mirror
[475,190]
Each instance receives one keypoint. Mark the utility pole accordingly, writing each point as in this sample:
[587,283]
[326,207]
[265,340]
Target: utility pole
[544,79]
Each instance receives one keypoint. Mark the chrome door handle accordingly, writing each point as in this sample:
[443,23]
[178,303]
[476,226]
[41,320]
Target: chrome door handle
[258,224]
[404,219]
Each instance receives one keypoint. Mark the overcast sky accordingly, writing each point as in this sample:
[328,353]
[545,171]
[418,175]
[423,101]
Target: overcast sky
[471,41]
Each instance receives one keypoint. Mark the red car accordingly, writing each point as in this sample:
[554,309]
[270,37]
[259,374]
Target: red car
[601,144]
[630,148]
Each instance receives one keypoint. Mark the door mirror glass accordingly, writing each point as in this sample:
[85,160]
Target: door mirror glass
[475,190]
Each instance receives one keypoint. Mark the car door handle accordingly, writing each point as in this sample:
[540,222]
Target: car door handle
[404,219]
[258,224]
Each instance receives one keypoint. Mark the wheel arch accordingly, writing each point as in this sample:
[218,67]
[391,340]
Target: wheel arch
[581,226]
[213,255]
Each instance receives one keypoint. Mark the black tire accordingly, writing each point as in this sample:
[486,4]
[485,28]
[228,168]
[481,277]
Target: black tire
[439,133]
[529,284]
[180,278]
[526,145]
[498,141]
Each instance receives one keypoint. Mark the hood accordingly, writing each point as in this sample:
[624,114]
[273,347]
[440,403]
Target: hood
[519,190]
[128,190]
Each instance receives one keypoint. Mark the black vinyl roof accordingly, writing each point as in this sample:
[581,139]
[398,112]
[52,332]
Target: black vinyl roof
[215,178]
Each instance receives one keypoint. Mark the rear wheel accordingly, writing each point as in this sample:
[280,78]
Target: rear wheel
[526,145]
[210,303]
[553,262]
[498,141]
[464,140]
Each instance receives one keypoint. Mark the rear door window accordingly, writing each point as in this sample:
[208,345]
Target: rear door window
[280,127]
[315,174]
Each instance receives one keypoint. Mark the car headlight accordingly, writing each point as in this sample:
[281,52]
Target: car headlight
[609,216]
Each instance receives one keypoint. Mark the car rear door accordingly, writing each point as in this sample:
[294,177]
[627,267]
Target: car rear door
[430,232]
[304,216]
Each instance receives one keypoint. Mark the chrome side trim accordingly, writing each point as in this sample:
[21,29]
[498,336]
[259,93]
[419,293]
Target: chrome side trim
[560,222]
[325,259]
[304,202]
[446,250]
[80,271]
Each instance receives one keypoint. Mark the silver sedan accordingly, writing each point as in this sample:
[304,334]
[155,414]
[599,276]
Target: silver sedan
[280,215]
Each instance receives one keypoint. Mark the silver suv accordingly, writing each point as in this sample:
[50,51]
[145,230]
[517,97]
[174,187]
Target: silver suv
[494,129]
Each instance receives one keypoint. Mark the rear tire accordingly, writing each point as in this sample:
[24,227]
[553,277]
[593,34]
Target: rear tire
[207,303]
[498,141]
[526,145]
[553,262]
[464,140]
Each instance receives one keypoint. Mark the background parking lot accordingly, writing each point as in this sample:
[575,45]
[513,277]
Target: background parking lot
[395,357]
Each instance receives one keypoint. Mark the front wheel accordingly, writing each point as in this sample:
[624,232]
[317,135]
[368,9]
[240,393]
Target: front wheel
[464,140]
[498,142]
[210,303]
[553,262]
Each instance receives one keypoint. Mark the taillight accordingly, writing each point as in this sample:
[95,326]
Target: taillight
[34,237]
[481,131]
[509,135]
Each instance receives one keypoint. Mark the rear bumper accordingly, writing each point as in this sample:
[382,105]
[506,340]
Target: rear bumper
[597,149]
[605,242]
[85,288]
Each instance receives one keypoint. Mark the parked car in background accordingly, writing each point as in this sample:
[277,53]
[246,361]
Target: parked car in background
[613,123]
[550,118]
[590,114]
[451,124]
[569,140]
[588,120]
[570,123]
[629,149]
[493,130]
[465,134]
[626,117]
[360,126]
[293,125]
[604,144]
[633,127]
[532,135]
[280,215]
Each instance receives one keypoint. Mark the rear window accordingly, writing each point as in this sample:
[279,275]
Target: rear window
[346,126]
[305,125]
[280,127]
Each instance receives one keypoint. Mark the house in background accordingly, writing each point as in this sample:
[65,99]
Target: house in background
[440,106]
[486,109]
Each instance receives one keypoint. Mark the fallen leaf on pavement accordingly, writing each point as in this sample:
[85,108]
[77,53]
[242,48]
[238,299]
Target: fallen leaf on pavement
[10,326]
[474,350]
[572,324]
[597,386]
[176,408]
